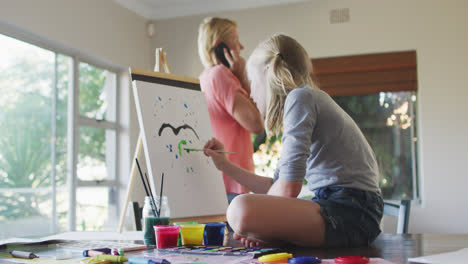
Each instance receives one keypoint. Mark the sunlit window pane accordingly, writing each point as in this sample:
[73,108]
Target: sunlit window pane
[97,92]
[96,158]
[96,210]
[27,83]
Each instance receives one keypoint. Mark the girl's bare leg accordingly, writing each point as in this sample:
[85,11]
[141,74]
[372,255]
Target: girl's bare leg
[274,219]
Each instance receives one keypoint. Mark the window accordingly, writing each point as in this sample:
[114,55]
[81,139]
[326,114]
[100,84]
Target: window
[379,92]
[33,138]
[96,163]
[387,120]
[37,127]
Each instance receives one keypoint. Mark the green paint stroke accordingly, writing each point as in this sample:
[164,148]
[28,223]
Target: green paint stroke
[182,142]
[188,170]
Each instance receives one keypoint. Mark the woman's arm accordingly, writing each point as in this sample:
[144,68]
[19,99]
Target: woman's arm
[247,115]
[255,183]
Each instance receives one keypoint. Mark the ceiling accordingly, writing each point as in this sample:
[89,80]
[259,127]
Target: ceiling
[164,9]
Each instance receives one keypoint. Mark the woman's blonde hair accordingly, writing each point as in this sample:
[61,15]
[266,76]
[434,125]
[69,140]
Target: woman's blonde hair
[211,32]
[286,66]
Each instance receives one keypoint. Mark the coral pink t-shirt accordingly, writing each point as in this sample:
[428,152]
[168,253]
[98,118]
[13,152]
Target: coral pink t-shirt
[220,86]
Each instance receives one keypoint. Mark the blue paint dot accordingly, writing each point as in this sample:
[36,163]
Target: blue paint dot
[191,169]
[159,98]
[185,105]
[190,141]
[176,156]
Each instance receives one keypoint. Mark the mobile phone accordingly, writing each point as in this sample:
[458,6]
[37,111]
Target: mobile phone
[219,51]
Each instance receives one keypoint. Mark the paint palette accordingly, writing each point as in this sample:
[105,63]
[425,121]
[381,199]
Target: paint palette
[255,252]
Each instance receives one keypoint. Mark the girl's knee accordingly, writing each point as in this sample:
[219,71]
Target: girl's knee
[238,213]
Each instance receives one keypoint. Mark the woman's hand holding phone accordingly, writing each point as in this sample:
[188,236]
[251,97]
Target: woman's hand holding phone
[235,62]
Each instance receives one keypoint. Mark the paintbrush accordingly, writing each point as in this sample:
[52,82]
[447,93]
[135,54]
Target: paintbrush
[219,151]
[144,185]
[160,193]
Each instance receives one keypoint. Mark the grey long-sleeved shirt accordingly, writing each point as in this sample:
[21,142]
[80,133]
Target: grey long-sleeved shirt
[322,143]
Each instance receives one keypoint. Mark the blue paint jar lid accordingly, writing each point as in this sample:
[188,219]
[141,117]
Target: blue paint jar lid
[305,260]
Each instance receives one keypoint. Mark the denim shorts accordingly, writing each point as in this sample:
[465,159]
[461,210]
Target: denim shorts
[352,216]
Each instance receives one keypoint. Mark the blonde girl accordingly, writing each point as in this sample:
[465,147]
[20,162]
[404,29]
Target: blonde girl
[321,144]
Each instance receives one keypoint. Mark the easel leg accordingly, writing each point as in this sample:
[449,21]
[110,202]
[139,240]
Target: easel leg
[131,181]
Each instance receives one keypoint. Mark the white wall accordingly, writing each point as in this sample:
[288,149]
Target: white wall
[435,29]
[97,29]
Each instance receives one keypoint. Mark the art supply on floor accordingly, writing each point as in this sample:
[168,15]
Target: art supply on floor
[253,252]
[92,253]
[371,261]
[160,194]
[207,259]
[23,254]
[82,245]
[94,261]
[351,260]
[179,242]
[147,260]
[148,228]
[96,251]
[214,233]
[192,234]
[110,258]
[276,258]
[151,194]
[148,193]
[166,235]
[305,260]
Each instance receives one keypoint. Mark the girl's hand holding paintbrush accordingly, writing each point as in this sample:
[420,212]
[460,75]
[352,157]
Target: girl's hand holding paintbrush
[215,149]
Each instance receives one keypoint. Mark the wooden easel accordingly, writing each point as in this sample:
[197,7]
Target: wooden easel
[161,61]
[161,65]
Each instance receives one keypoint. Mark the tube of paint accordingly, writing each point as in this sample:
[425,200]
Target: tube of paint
[110,258]
[138,260]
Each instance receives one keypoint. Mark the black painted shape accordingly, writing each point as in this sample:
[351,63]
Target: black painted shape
[176,130]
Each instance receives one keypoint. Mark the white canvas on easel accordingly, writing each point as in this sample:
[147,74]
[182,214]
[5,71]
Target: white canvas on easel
[199,198]
[172,119]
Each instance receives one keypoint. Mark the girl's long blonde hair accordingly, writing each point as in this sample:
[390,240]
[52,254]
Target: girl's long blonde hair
[211,32]
[286,66]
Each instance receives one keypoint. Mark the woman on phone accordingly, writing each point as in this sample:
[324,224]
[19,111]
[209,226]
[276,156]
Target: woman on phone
[227,91]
